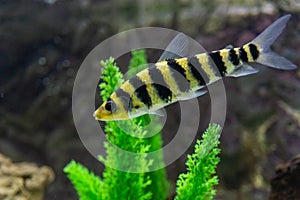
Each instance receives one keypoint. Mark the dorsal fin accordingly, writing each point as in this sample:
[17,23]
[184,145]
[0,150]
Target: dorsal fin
[177,48]
[230,46]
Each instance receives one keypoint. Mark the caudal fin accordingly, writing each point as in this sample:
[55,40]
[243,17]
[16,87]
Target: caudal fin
[266,39]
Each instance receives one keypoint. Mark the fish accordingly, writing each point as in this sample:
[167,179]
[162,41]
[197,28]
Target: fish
[174,78]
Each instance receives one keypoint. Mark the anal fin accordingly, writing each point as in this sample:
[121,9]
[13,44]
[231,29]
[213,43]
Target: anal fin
[244,70]
[192,95]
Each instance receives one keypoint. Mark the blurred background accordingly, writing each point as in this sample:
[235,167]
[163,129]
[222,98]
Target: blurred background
[43,42]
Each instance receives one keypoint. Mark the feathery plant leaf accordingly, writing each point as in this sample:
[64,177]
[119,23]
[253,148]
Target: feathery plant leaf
[119,184]
[111,76]
[199,180]
[87,185]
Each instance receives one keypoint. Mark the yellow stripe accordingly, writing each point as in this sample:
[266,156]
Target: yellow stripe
[225,58]
[165,71]
[183,62]
[127,87]
[237,52]
[205,64]
[145,77]
[249,55]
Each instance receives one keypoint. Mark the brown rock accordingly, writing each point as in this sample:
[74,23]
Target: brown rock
[286,183]
[23,181]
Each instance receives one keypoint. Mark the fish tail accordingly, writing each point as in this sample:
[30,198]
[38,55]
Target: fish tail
[260,46]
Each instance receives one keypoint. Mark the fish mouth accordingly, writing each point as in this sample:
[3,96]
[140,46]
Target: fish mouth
[101,115]
[98,114]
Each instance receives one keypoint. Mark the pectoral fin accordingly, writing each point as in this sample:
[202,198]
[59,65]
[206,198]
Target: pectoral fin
[157,112]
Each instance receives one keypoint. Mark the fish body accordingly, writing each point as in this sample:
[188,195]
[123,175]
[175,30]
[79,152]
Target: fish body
[175,79]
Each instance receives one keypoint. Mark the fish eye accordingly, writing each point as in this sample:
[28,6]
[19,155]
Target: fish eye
[110,106]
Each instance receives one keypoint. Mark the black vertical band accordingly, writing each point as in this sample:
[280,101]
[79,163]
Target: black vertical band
[254,51]
[197,71]
[179,75]
[233,58]
[141,91]
[160,85]
[125,98]
[243,54]
[217,59]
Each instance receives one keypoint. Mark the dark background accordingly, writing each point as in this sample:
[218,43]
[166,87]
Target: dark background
[42,44]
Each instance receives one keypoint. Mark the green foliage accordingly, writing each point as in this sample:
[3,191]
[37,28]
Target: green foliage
[86,183]
[111,76]
[124,185]
[119,184]
[199,180]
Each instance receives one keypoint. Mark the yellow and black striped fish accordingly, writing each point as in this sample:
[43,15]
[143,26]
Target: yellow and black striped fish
[177,79]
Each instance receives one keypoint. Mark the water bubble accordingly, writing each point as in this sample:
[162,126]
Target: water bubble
[70,72]
[50,1]
[42,60]
[57,39]
[59,66]
[66,63]
[46,81]
[70,82]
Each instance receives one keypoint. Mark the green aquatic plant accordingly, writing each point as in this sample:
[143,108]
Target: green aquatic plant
[117,184]
[198,182]
[86,183]
[111,77]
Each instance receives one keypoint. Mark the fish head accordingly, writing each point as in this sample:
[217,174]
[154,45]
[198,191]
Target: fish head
[112,109]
